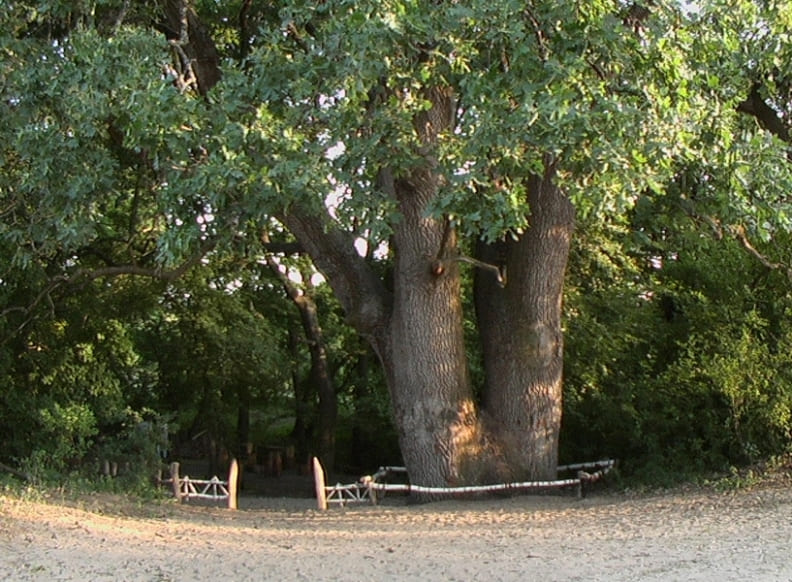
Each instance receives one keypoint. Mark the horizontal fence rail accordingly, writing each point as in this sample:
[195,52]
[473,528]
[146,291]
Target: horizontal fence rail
[186,488]
[213,488]
[371,487]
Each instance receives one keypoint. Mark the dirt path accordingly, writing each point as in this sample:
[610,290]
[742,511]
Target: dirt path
[745,535]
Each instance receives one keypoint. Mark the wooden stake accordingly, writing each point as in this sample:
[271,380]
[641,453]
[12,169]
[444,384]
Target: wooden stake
[319,483]
[233,477]
[174,472]
[372,493]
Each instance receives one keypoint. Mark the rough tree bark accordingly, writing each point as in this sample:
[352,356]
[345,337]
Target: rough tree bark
[446,437]
[425,358]
[522,339]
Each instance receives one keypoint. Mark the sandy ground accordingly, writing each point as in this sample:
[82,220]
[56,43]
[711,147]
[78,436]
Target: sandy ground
[694,535]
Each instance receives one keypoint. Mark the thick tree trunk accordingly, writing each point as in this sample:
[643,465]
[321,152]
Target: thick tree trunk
[418,331]
[424,355]
[522,339]
[425,361]
[323,381]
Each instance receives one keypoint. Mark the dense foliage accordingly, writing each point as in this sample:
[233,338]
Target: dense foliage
[677,354]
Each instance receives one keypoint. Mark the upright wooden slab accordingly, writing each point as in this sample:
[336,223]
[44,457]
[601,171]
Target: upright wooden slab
[233,477]
[174,472]
[319,483]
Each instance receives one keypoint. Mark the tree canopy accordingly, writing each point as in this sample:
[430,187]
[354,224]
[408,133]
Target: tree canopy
[622,100]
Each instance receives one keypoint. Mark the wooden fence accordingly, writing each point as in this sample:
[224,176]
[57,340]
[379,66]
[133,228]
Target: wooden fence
[370,487]
[186,488]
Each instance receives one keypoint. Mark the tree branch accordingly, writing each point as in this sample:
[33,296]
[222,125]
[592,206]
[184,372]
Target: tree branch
[738,233]
[767,117]
[360,291]
[194,45]
[541,39]
[292,31]
[244,30]
[288,285]
[636,16]
[499,272]
[285,248]
[167,275]
[15,472]
[119,19]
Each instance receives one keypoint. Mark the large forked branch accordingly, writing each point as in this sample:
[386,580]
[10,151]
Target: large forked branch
[359,290]
[361,293]
[83,275]
[767,117]
[196,52]
[738,233]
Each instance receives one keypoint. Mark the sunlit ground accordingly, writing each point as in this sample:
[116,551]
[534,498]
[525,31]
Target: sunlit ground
[698,534]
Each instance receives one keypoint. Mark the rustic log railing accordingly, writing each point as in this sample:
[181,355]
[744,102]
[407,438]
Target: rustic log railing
[371,487]
[186,488]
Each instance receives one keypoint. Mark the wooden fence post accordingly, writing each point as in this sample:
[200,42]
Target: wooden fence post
[319,484]
[372,492]
[174,472]
[233,477]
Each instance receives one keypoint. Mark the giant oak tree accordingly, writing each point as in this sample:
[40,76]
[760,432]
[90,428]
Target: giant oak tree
[460,139]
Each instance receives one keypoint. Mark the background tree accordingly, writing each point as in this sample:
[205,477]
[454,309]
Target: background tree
[218,359]
[676,352]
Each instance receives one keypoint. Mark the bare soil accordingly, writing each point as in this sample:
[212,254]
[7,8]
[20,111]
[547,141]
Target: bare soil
[684,534]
